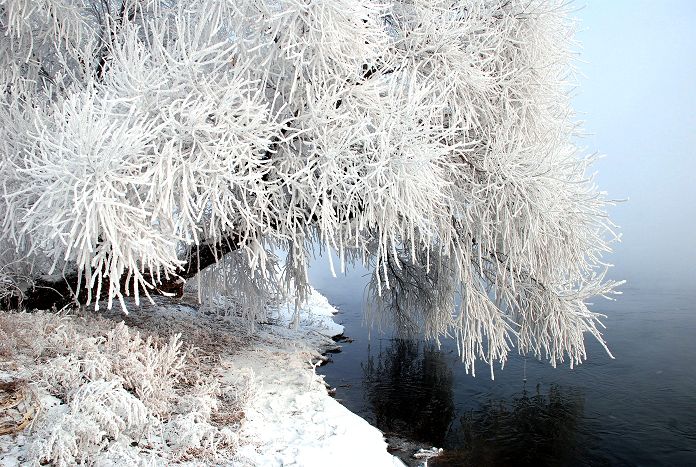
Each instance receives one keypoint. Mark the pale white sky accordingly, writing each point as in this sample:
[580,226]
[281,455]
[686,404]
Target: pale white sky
[638,99]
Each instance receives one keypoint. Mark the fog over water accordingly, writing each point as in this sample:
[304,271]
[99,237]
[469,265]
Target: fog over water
[639,105]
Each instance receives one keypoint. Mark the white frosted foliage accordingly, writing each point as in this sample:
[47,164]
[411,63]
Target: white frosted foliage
[432,139]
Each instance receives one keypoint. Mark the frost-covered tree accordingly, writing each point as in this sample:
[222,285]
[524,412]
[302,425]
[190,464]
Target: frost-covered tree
[144,143]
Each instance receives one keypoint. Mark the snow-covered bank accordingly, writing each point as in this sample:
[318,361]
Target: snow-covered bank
[102,394]
[292,420]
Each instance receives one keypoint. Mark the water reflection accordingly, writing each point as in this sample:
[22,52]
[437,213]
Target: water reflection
[408,385]
[409,388]
[529,429]
[635,410]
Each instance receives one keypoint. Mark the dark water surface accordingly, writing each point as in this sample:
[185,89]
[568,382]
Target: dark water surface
[639,409]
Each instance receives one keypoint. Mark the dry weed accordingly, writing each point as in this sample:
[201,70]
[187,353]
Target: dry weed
[131,390]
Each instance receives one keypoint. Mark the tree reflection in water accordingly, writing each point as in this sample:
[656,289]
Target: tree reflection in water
[409,387]
[539,429]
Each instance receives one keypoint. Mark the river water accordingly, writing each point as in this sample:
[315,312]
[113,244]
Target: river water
[637,409]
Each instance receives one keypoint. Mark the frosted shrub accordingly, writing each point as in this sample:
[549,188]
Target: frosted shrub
[124,397]
[66,373]
[149,370]
[191,434]
[99,411]
[35,333]
[202,398]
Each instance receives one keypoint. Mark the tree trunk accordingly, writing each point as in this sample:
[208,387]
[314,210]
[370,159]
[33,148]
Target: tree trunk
[57,293]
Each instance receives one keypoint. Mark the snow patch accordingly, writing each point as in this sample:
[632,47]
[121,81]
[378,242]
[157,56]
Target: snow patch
[315,315]
[292,420]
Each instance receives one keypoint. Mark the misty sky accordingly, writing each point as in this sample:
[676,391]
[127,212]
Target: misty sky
[638,100]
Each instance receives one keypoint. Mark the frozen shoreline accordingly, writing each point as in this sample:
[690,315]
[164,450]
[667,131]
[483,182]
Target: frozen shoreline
[294,418]
[288,416]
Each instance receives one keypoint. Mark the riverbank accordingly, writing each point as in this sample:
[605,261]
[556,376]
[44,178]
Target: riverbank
[292,420]
[175,384]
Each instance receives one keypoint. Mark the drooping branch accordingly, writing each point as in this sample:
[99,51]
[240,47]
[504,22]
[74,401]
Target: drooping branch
[112,25]
[58,292]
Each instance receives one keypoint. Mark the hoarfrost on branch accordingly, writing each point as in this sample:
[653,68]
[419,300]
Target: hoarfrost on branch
[144,140]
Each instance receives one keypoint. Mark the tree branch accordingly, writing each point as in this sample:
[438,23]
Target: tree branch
[113,25]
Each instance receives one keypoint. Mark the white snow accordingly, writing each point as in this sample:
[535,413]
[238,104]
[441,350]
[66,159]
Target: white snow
[292,420]
[316,315]
[289,418]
